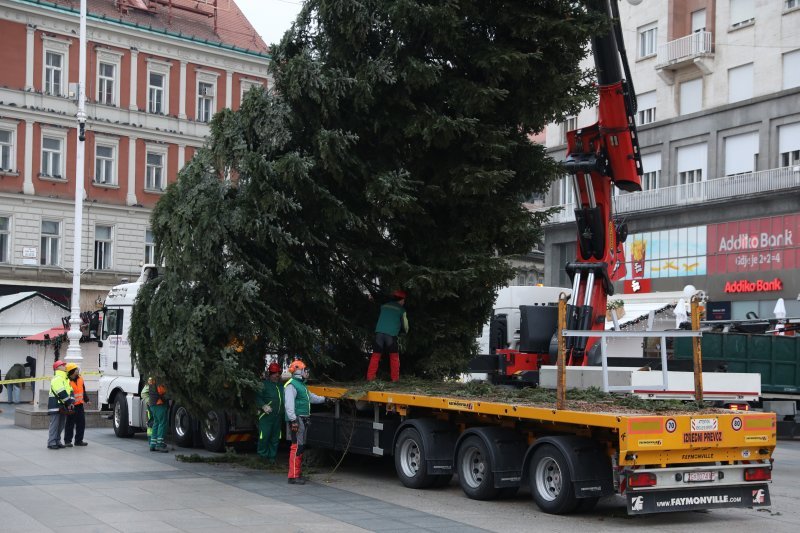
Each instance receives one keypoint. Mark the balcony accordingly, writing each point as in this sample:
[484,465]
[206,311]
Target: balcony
[695,194]
[694,50]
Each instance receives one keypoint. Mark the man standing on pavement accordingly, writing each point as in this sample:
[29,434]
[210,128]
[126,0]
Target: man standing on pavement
[392,318]
[17,371]
[77,420]
[158,408]
[298,411]
[270,414]
[59,403]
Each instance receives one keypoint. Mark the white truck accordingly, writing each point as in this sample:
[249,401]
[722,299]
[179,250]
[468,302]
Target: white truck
[120,385]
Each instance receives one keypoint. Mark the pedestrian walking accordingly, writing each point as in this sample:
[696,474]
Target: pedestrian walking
[17,371]
[76,422]
[158,408]
[298,412]
[391,321]
[59,403]
[270,414]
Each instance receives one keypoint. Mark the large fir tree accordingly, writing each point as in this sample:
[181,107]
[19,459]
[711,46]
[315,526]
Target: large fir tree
[395,152]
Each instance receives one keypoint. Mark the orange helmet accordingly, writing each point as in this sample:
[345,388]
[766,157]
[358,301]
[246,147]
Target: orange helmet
[296,366]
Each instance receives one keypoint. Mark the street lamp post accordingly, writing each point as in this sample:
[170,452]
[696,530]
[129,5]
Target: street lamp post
[74,335]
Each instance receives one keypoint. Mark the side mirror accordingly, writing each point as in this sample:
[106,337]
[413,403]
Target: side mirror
[100,344]
[114,365]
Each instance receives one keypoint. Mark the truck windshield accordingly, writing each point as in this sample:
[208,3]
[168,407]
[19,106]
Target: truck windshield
[112,322]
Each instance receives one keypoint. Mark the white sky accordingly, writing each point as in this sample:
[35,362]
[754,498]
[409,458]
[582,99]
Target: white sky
[271,18]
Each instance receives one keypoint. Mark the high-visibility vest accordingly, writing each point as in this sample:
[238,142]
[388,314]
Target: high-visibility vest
[78,390]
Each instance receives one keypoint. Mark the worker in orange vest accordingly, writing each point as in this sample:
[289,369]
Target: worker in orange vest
[77,420]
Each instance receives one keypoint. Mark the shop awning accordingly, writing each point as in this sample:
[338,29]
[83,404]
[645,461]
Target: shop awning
[47,335]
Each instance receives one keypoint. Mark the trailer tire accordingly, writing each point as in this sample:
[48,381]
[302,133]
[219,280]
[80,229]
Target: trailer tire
[213,431]
[121,427]
[475,475]
[182,427]
[410,461]
[551,481]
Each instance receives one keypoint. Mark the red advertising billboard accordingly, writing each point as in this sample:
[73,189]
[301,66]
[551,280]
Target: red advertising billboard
[754,245]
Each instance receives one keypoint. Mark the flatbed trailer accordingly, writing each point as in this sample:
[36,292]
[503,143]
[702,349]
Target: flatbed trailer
[660,462]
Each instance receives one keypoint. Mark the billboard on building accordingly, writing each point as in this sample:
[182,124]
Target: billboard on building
[667,254]
[754,245]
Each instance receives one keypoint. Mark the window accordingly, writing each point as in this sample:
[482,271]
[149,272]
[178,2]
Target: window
[158,86]
[691,167]
[113,322]
[155,95]
[791,69]
[149,247]
[105,85]
[55,62]
[570,124]
[154,177]
[52,157]
[247,85]
[791,4]
[102,247]
[205,101]
[646,105]
[789,144]
[104,165]
[53,73]
[740,83]
[7,152]
[691,96]
[647,40]
[698,20]
[51,243]
[564,191]
[5,238]
[651,176]
[742,13]
[741,152]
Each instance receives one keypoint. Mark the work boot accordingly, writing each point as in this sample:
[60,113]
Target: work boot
[68,445]
[54,447]
[297,481]
[62,445]
[81,443]
[162,449]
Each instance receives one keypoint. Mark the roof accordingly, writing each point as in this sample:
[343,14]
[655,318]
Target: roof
[637,311]
[187,18]
[51,333]
[10,300]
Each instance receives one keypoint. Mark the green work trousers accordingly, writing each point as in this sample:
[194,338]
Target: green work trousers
[159,413]
[269,434]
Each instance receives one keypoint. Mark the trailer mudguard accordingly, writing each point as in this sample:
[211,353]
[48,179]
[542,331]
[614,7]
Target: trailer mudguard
[439,441]
[506,452]
[588,462]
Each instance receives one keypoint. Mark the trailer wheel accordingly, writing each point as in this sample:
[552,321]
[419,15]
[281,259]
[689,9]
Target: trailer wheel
[121,427]
[551,481]
[409,460]
[182,427]
[213,431]
[475,470]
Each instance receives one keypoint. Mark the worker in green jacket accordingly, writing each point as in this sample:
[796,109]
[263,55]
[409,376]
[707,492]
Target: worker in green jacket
[392,319]
[298,414]
[270,414]
[59,404]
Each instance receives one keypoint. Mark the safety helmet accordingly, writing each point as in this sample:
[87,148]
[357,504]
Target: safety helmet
[297,367]
[400,295]
[58,364]
[71,367]
[274,368]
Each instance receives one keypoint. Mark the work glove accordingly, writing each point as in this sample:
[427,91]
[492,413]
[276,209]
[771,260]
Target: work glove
[294,426]
[267,408]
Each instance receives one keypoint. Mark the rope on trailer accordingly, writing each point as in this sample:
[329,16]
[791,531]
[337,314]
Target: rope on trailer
[347,447]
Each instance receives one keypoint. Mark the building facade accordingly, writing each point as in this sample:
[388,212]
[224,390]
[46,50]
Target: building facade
[718,90]
[157,71]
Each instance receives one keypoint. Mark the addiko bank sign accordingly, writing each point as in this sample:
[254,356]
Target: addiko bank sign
[760,285]
[754,245]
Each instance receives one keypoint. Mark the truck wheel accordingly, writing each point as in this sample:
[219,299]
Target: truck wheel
[182,427]
[409,460]
[551,481]
[213,431]
[121,427]
[475,470]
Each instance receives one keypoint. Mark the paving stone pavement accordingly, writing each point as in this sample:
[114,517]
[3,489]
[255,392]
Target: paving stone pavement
[119,485]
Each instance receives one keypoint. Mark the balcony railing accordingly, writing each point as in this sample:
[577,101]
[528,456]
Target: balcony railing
[692,194]
[698,44]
